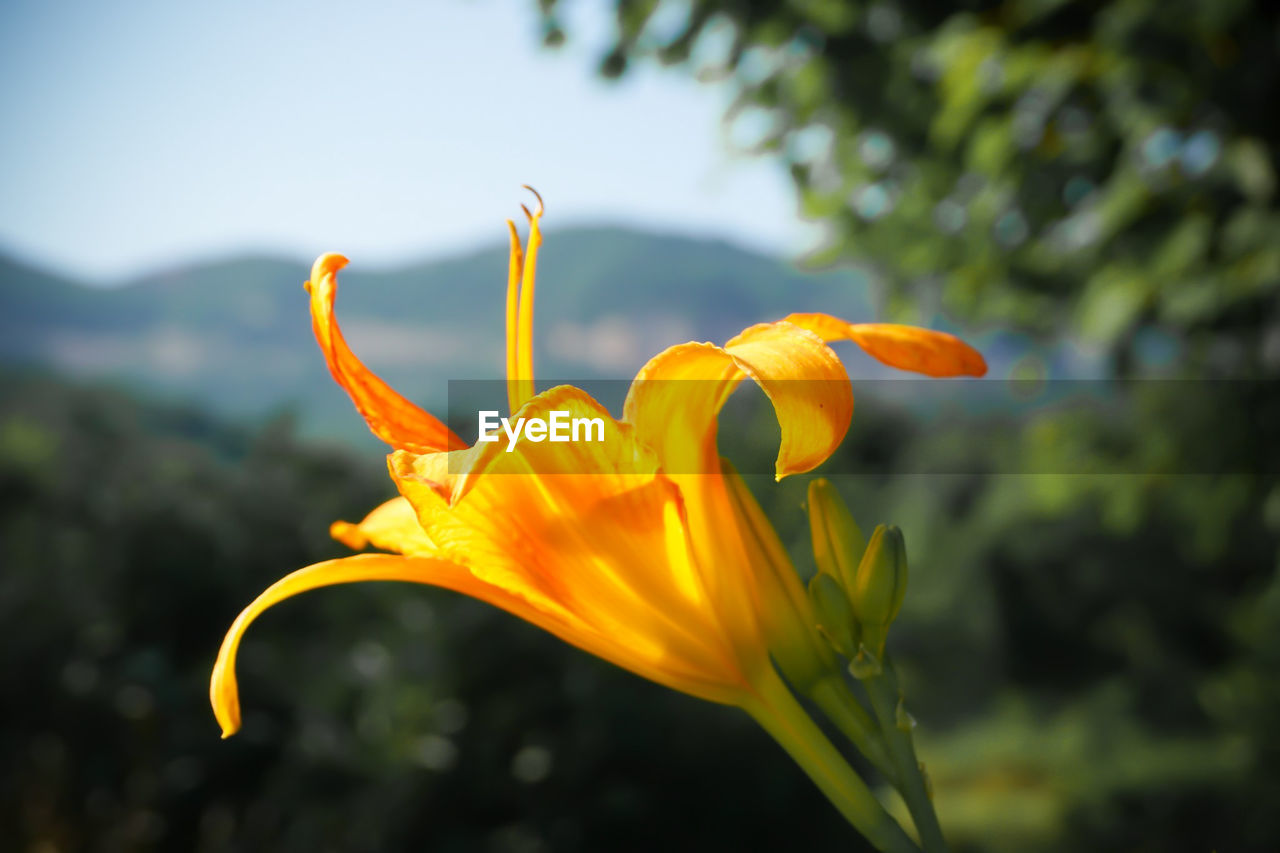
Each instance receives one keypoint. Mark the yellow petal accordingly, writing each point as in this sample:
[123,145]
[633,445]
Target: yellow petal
[592,528]
[676,398]
[522,382]
[393,526]
[674,403]
[618,646]
[223,691]
[904,347]
[390,416]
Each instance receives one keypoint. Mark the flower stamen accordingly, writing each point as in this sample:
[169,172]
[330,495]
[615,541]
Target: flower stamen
[522,382]
[515,269]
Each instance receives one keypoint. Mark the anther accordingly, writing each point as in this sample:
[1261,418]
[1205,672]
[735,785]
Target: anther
[538,196]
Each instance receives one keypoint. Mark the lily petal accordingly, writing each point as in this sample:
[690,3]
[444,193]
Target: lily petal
[675,398]
[223,690]
[904,347]
[390,416]
[609,546]
[618,646]
[674,403]
[392,526]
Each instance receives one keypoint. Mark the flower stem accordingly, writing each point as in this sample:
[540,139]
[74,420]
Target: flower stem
[843,709]
[777,710]
[883,690]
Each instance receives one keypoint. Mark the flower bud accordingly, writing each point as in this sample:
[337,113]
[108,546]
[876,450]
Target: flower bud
[838,542]
[880,585]
[834,612]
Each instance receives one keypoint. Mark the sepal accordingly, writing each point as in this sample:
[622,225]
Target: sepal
[865,664]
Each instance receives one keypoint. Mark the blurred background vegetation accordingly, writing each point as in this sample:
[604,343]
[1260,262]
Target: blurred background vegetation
[1094,658]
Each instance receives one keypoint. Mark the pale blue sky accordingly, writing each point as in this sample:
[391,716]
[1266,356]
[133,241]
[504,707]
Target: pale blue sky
[140,133]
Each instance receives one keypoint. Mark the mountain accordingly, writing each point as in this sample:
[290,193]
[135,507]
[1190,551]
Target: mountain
[235,335]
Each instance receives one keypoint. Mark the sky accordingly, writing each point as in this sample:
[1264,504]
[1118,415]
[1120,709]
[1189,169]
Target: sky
[139,134]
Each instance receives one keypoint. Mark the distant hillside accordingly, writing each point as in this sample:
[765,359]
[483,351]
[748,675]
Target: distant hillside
[235,335]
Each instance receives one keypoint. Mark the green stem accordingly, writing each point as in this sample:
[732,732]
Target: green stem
[783,717]
[843,709]
[883,690]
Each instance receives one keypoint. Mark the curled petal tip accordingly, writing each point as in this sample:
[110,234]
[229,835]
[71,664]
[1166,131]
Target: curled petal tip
[348,534]
[338,259]
[389,415]
[782,470]
[325,265]
[904,347]
[967,360]
[226,701]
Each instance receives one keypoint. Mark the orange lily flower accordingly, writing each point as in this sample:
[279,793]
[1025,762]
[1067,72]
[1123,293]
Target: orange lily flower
[640,548]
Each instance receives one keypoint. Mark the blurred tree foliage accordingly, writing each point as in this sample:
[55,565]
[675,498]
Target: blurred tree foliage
[1103,169]
[1099,175]
[1095,672]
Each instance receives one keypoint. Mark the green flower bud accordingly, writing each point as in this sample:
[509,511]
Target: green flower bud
[880,586]
[838,542]
[834,613]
